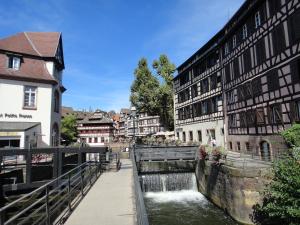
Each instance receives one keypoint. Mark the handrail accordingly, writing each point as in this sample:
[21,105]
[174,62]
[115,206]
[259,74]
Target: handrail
[65,187]
[141,213]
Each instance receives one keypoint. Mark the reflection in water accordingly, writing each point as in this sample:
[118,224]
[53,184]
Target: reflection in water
[181,207]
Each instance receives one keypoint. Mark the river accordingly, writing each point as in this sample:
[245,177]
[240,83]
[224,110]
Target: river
[182,205]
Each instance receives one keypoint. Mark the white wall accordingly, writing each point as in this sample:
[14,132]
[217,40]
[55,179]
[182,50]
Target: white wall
[216,125]
[12,100]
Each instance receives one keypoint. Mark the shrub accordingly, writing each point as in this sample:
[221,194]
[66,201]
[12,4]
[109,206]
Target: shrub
[292,135]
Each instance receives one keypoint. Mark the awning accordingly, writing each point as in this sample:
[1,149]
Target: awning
[17,126]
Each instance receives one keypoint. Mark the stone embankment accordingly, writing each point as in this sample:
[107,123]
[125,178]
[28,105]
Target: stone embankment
[234,189]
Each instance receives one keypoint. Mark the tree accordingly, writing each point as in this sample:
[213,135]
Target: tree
[281,202]
[165,70]
[144,89]
[69,129]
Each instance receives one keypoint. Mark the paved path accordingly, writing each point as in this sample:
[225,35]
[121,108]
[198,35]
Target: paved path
[110,200]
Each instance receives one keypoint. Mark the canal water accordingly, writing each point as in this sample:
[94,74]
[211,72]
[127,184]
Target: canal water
[173,199]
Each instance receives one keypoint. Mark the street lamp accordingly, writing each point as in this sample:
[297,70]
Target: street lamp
[133,114]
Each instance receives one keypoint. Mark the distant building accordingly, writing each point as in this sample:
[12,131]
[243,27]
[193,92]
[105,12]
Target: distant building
[31,66]
[96,129]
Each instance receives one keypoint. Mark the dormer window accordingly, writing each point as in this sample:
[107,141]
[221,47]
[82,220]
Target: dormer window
[14,62]
[245,31]
[257,19]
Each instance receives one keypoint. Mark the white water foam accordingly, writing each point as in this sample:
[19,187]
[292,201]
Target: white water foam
[184,196]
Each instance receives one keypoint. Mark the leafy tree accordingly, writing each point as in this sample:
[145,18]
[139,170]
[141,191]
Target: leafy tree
[144,89]
[292,135]
[281,202]
[165,70]
[69,129]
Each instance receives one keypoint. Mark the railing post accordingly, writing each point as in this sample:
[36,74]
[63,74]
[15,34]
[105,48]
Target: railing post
[69,192]
[2,217]
[81,181]
[47,205]
[90,172]
[28,167]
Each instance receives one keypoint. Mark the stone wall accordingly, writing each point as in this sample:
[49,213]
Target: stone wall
[235,190]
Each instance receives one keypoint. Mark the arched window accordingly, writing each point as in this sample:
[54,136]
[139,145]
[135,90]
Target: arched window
[56,101]
[265,151]
[55,135]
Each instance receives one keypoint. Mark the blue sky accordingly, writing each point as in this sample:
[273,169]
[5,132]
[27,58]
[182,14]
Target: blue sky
[104,39]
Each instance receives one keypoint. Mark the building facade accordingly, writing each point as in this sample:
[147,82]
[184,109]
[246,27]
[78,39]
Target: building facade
[31,66]
[258,52]
[96,130]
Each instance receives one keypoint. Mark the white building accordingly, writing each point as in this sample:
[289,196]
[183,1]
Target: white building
[31,65]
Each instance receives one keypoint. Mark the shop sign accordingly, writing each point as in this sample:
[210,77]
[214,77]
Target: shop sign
[15,116]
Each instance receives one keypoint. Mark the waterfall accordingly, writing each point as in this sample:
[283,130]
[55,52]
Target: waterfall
[168,182]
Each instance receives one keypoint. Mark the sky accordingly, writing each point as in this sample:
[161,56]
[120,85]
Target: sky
[103,40]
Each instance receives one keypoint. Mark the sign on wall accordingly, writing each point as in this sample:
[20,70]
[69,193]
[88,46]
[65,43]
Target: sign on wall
[15,116]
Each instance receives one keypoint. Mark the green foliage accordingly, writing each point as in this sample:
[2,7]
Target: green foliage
[69,129]
[292,135]
[150,95]
[281,203]
[144,89]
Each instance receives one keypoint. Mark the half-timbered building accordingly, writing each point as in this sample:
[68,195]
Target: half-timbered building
[257,53]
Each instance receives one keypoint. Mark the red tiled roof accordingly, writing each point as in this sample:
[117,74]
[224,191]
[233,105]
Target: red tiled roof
[30,69]
[33,43]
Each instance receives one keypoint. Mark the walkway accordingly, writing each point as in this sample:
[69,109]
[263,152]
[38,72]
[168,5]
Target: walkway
[109,202]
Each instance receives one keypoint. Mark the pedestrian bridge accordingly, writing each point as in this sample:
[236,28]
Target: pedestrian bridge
[87,194]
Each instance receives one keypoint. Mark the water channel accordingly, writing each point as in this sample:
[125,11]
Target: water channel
[173,199]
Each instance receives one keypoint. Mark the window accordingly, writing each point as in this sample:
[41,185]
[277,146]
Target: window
[260,51]
[232,120]
[295,71]
[250,118]
[241,93]
[56,101]
[102,139]
[260,116]
[197,109]
[183,137]
[273,81]
[213,82]
[295,111]
[30,97]
[234,41]
[204,86]
[177,135]
[294,27]
[236,68]
[14,62]
[191,135]
[275,115]
[194,91]
[247,146]
[226,49]
[90,140]
[243,119]
[257,19]
[278,39]
[204,107]
[238,145]
[245,31]
[230,145]
[227,73]
[184,79]
[214,104]
[248,90]
[230,97]
[256,87]
[95,140]
[199,136]
[247,61]
[274,6]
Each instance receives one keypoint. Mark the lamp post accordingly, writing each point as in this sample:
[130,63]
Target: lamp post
[133,113]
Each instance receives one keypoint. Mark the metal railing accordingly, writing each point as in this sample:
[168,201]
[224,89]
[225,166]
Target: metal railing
[166,153]
[46,204]
[141,213]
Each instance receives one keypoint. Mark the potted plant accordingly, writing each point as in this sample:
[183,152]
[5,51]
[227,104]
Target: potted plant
[216,154]
[202,153]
